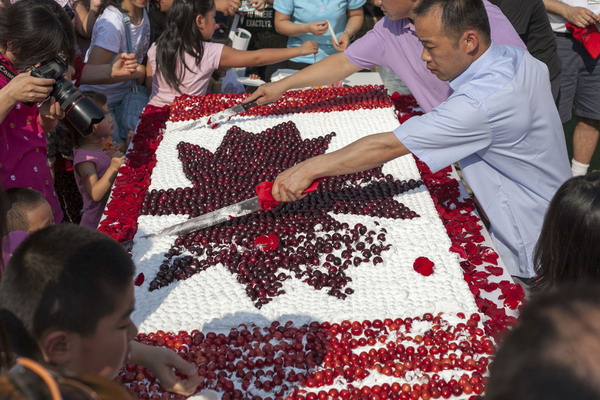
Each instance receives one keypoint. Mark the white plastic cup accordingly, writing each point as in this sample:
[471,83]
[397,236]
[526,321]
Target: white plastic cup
[240,39]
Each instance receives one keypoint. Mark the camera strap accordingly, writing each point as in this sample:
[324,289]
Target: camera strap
[128,41]
[6,72]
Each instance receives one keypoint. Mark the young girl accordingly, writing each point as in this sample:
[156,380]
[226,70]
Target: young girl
[184,60]
[109,39]
[95,167]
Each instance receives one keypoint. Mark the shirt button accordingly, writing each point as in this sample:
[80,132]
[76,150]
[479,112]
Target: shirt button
[46,182]
[12,125]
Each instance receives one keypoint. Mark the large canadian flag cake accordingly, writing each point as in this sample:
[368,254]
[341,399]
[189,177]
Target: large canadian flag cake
[376,285]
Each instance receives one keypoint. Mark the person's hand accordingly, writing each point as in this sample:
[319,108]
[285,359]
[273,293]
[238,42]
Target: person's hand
[125,65]
[117,160]
[309,47]
[343,40]
[50,110]
[267,93]
[317,28]
[163,363]
[95,5]
[290,184]
[581,16]
[25,88]
[228,7]
[258,4]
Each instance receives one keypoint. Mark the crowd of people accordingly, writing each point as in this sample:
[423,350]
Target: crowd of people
[496,79]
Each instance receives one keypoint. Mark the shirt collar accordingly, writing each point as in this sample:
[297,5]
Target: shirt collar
[483,62]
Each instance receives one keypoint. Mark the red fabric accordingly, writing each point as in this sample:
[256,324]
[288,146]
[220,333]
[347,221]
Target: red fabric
[589,37]
[79,65]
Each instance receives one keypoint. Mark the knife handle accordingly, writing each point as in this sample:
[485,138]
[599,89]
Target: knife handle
[248,106]
[266,199]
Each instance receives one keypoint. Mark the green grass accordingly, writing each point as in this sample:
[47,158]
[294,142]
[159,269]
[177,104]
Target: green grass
[568,128]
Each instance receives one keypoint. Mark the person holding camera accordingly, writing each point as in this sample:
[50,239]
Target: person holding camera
[22,129]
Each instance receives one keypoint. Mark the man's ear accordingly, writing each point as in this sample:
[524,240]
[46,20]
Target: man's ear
[58,347]
[471,40]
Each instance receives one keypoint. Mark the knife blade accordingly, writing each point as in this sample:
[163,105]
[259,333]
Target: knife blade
[212,218]
[263,201]
[230,112]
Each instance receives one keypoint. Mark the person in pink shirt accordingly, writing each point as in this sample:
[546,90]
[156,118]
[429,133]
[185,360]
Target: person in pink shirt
[23,44]
[392,43]
[95,166]
[182,60]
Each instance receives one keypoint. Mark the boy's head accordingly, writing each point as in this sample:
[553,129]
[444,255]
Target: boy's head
[28,210]
[66,299]
[554,353]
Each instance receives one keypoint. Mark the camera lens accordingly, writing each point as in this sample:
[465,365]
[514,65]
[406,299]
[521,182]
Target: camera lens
[79,110]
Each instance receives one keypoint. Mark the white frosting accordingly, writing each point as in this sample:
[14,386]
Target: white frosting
[213,300]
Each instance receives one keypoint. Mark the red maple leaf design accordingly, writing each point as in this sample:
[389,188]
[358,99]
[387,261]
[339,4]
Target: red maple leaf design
[304,228]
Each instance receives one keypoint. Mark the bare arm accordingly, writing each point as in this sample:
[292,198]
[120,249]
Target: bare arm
[231,58]
[327,71]
[355,21]
[285,26]
[161,361]
[227,7]
[86,13]
[98,55]
[98,188]
[125,68]
[578,16]
[363,154]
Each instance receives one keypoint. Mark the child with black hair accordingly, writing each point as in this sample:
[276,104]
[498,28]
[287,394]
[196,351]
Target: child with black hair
[554,351]
[27,211]
[67,303]
[183,59]
[95,166]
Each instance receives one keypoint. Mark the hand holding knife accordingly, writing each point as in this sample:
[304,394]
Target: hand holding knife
[263,200]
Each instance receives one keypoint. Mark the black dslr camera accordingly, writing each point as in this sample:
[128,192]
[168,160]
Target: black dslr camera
[79,110]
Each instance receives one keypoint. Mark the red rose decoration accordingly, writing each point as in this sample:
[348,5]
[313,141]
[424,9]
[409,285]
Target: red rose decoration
[268,242]
[424,266]
[139,279]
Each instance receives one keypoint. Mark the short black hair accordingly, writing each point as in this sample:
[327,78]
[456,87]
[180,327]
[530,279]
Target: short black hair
[567,250]
[63,277]
[458,16]
[38,30]
[553,353]
[20,202]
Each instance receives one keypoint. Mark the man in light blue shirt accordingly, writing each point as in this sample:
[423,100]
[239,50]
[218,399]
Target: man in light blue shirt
[500,124]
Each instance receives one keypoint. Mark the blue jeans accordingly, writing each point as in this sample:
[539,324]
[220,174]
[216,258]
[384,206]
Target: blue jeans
[126,112]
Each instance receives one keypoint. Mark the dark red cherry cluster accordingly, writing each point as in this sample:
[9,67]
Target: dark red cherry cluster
[283,361]
[298,101]
[307,233]
[231,174]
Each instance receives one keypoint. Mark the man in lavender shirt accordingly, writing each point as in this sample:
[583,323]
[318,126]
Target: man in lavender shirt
[391,43]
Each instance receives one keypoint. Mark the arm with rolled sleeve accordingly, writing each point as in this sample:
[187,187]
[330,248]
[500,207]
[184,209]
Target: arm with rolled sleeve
[455,130]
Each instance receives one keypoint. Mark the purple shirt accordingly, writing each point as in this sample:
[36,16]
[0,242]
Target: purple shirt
[395,45]
[92,210]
